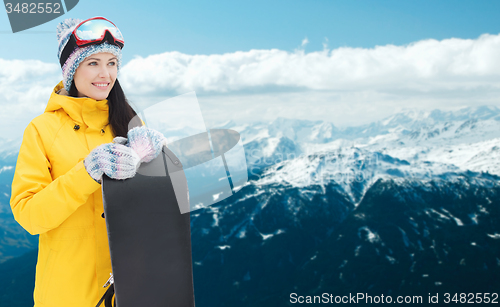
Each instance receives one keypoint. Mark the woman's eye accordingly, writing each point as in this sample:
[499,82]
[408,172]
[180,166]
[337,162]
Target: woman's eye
[112,63]
[93,63]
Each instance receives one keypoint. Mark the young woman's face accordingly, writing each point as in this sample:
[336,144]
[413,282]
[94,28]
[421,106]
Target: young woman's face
[96,75]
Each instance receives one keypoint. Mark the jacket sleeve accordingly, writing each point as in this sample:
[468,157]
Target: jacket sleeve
[39,203]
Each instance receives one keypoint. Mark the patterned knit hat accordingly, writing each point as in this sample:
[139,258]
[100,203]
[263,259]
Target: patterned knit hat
[70,63]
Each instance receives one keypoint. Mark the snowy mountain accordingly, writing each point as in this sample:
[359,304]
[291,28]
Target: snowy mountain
[412,145]
[433,232]
[9,148]
[413,198]
[466,138]
[14,240]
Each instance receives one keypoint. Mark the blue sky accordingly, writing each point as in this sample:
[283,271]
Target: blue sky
[216,27]
[346,62]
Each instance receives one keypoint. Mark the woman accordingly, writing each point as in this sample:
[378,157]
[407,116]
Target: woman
[56,190]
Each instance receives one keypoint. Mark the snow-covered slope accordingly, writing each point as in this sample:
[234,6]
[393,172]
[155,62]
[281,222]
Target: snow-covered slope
[332,209]
[467,138]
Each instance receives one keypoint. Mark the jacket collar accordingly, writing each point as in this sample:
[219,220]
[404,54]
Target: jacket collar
[88,111]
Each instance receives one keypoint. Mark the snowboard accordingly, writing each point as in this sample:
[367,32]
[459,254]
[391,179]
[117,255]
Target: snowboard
[149,238]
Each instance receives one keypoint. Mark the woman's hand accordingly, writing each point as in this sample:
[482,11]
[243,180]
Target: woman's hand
[115,160]
[146,142]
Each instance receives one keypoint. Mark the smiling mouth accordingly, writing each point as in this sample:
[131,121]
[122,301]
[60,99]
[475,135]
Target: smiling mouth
[100,85]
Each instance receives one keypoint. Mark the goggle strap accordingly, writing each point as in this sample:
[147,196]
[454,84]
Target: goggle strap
[67,50]
[108,37]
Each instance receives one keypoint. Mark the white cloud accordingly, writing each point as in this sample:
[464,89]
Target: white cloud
[347,86]
[424,66]
[305,41]
[325,44]
[20,77]
[25,86]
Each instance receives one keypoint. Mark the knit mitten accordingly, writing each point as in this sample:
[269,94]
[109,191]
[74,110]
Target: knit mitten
[113,159]
[147,143]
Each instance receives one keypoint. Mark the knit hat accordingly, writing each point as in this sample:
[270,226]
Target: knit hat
[70,63]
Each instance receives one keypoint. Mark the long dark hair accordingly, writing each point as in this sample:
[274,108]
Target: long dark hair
[120,112]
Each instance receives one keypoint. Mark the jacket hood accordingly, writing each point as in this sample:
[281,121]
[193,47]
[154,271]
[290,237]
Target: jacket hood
[82,110]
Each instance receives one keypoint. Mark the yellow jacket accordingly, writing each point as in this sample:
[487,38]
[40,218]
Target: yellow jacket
[53,195]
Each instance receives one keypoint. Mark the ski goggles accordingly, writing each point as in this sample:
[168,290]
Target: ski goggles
[97,30]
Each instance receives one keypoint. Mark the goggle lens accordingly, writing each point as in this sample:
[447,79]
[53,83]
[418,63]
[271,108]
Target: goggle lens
[94,30]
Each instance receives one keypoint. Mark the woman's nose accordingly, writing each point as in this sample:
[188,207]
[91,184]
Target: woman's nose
[103,72]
